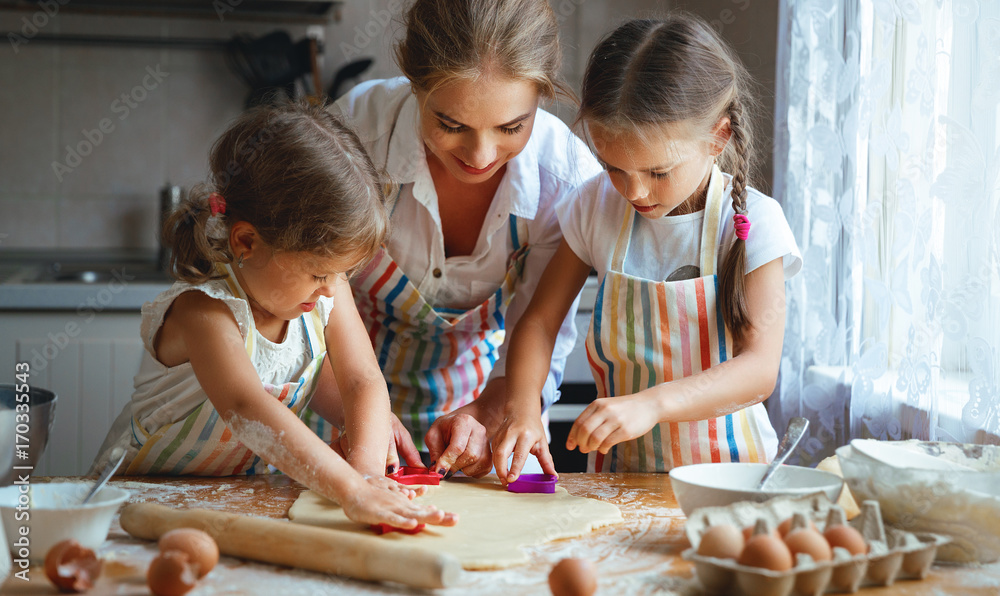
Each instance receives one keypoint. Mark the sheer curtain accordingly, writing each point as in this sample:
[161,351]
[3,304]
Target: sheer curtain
[887,156]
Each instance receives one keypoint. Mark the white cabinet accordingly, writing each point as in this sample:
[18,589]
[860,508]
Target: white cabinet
[88,360]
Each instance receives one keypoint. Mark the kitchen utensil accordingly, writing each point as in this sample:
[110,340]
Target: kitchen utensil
[533,483]
[717,484]
[56,515]
[796,429]
[386,528]
[41,414]
[280,542]
[116,459]
[411,475]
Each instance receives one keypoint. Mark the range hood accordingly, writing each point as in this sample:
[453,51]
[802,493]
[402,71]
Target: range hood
[302,11]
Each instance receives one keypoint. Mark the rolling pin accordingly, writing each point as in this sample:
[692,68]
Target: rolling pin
[296,545]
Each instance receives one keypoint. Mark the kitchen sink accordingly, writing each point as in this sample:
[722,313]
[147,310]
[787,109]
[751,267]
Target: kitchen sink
[123,272]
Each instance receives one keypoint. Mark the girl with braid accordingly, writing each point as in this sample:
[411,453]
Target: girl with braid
[686,336]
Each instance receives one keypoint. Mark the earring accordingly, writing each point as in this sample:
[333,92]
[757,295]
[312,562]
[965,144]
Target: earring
[239,262]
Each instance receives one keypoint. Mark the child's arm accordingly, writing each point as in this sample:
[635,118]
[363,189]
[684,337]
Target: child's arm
[205,333]
[743,380]
[367,417]
[528,360]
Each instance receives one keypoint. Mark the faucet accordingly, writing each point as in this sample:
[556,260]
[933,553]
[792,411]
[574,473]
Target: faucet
[170,198]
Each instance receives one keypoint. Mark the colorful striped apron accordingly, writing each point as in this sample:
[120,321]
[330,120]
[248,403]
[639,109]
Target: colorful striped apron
[645,332]
[201,444]
[434,359]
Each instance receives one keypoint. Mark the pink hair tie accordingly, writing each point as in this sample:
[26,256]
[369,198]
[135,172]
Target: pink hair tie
[216,203]
[742,224]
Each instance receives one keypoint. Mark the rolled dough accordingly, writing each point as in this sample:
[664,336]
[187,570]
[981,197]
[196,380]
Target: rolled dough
[493,524]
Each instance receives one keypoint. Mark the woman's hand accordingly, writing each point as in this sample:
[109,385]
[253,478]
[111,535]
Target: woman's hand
[377,502]
[457,441]
[611,420]
[520,435]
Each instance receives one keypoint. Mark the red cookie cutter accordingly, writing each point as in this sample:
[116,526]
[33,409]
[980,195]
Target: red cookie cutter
[533,483]
[386,528]
[410,475]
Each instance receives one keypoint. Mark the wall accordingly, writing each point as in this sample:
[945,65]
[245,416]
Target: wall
[66,183]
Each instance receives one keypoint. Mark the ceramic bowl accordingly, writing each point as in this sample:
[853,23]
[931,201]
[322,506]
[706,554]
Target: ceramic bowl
[54,514]
[925,486]
[717,485]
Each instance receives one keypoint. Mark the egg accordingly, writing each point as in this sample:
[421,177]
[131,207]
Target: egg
[71,567]
[846,537]
[766,551]
[199,546]
[573,577]
[171,574]
[810,542]
[786,525]
[722,542]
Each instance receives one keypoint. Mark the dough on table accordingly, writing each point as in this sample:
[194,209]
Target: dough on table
[493,524]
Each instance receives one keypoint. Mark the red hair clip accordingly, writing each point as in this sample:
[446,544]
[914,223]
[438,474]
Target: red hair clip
[742,224]
[216,203]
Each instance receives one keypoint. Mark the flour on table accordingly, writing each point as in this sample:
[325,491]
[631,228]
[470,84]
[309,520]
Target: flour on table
[493,524]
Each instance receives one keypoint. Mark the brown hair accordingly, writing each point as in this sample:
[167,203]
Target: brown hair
[649,73]
[448,40]
[296,174]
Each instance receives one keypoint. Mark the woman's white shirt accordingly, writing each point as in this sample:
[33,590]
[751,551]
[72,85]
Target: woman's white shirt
[537,181]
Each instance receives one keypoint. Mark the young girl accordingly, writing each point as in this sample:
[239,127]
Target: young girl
[686,336]
[235,348]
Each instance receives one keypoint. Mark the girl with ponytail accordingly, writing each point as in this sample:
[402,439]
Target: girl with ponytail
[261,322]
[685,341]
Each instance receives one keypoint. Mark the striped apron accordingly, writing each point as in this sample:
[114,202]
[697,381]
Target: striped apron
[434,359]
[201,444]
[645,332]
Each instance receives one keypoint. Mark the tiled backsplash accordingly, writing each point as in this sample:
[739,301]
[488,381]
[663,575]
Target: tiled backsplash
[102,192]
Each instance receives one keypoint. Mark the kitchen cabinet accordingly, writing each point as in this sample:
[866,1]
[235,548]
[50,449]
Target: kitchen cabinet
[89,360]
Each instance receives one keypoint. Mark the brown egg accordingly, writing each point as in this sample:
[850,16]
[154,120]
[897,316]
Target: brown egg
[171,574]
[810,542]
[748,532]
[722,542]
[786,525]
[199,546]
[846,537]
[573,577]
[766,551]
[71,567]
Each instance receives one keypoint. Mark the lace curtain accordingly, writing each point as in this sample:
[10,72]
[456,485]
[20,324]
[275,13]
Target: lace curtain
[887,156]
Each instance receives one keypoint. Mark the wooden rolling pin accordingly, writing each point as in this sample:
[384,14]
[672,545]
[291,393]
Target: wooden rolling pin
[296,545]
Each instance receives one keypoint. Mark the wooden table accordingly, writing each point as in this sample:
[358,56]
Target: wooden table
[641,556]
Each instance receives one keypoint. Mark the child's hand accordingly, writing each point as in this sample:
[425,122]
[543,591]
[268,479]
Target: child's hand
[375,503]
[401,444]
[612,420]
[521,435]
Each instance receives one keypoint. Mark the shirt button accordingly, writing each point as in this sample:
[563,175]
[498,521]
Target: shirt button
[437,272]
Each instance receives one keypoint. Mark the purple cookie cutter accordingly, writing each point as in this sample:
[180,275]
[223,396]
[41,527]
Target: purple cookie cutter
[533,483]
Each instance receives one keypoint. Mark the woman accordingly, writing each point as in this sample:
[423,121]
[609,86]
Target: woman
[480,169]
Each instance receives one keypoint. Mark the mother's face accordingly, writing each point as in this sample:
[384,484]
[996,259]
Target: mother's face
[473,128]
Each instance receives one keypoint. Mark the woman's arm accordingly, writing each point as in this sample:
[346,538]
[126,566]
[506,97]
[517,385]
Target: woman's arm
[210,339]
[743,380]
[528,360]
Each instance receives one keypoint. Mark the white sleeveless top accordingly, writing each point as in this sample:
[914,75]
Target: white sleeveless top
[164,395]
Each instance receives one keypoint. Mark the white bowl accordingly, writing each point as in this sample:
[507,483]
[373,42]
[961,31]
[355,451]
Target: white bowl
[717,485]
[925,486]
[53,513]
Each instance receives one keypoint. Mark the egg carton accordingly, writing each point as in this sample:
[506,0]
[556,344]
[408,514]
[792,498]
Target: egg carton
[892,554]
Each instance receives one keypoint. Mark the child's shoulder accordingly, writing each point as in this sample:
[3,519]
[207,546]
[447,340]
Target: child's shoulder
[211,299]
